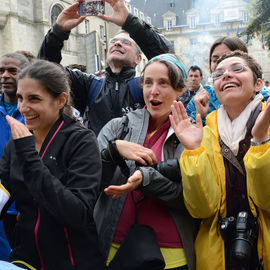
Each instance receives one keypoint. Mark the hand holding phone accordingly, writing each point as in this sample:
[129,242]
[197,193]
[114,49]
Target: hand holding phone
[91,8]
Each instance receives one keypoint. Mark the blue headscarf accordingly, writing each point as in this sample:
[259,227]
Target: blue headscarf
[172,58]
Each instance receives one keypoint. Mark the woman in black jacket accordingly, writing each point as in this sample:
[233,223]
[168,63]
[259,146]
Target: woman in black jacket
[52,169]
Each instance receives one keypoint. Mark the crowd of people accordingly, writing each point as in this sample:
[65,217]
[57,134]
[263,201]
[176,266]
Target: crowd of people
[162,173]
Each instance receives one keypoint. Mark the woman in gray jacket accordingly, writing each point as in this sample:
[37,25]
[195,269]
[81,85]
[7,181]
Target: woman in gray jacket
[146,138]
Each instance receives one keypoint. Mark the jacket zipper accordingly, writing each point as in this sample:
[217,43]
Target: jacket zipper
[36,236]
[69,247]
[38,209]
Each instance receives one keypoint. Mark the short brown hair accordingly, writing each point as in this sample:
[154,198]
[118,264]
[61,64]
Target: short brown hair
[250,61]
[233,43]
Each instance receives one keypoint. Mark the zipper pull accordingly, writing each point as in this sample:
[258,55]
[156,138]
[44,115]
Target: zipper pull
[116,86]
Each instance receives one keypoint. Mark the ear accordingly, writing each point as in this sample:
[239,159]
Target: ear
[258,85]
[138,59]
[62,100]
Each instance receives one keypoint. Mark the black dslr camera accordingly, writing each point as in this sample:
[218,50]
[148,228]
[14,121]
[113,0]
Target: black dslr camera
[169,168]
[242,232]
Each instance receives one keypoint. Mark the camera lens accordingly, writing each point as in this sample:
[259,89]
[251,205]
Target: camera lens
[241,248]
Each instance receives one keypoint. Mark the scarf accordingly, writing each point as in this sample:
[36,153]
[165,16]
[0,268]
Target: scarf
[232,132]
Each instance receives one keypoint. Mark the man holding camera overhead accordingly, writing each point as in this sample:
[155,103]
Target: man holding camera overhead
[119,92]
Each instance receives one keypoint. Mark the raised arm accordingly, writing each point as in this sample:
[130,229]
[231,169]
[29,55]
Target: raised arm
[257,161]
[199,174]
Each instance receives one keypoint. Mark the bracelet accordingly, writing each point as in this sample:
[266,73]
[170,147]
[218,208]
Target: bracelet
[259,143]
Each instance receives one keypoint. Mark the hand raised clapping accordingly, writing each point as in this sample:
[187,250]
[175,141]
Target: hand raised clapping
[189,135]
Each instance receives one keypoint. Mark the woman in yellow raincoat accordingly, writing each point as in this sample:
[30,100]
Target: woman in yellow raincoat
[226,169]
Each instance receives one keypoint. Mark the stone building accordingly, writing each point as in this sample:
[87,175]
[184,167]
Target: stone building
[24,23]
[193,25]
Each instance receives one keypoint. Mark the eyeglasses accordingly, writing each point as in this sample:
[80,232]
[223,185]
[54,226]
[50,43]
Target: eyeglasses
[235,68]
[122,40]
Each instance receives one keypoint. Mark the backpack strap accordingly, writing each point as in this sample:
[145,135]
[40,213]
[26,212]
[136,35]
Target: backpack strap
[125,129]
[95,87]
[136,91]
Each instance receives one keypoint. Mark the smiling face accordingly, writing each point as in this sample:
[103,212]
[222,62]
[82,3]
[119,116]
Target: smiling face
[9,69]
[38,107]
[122,51]
[158,92]
[235,90]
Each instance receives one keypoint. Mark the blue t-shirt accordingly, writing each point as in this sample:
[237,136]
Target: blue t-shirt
[10,107]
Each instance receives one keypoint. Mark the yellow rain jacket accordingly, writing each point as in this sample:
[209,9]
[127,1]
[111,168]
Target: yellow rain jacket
[204,186]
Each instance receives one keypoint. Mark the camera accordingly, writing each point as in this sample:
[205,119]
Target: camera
[246,234]
[169,168]
[242,232]
[227,227]
[91,8]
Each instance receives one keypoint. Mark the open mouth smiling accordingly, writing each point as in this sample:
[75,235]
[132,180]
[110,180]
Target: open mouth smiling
[228,86]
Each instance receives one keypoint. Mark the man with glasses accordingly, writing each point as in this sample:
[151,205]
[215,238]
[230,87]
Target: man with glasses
[101,100]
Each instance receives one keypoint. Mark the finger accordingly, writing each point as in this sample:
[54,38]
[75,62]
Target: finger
[178,110]
[174,114]
[199,123]
[183,111]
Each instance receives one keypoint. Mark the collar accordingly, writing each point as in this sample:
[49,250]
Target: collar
[125,73]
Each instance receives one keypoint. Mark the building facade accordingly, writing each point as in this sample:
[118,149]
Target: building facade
[24,23]
[192,26]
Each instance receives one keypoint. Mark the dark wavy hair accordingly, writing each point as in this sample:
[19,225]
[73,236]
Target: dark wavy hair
[51,76]
[233,43]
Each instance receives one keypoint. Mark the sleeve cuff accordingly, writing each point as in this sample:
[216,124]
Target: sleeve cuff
[193,152]
[4,197]
[59,33]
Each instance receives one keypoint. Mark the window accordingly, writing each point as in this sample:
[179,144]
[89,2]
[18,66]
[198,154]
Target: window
[129,7]
[148,20]
[172,4]
[192,43]
[192,23]
[136,12]
[141,16]
[56,10]
[217,19]
[169,24]
[245,16]
[101,31]
[172,42]
[87,26]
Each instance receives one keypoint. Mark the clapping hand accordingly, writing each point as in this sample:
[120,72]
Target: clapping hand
[201,102]
[132,183]
[189,135]
[261,126]
[18,130]
[137,152]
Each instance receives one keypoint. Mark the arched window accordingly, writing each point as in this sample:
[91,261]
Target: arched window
[56,10]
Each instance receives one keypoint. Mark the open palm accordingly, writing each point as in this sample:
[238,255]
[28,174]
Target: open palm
[261,126]
[189,135]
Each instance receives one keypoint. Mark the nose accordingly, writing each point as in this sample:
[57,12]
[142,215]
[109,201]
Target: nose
[118,43]
[23,107]
[155,89]
[227,74]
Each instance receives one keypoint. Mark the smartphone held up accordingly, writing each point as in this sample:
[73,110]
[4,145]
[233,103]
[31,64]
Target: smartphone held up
[91,8]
